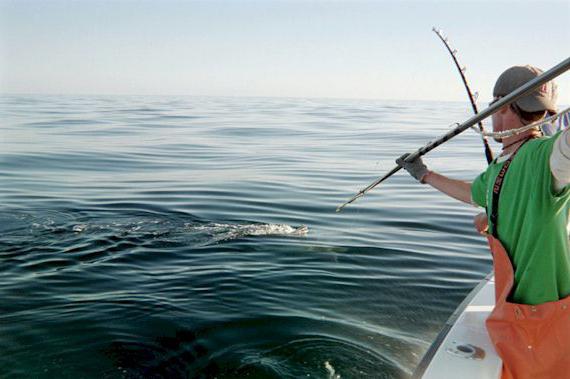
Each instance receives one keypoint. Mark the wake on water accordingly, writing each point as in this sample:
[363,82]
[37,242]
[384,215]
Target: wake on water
[144,227]
[213,232]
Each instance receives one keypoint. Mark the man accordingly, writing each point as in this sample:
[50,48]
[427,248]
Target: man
[530,325]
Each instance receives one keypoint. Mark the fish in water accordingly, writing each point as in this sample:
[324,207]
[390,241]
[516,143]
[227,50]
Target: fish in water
[224,232]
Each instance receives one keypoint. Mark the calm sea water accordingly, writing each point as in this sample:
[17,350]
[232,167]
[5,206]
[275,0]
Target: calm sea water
[165,237]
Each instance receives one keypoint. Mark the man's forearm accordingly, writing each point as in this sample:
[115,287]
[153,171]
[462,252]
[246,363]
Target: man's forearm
[457,189]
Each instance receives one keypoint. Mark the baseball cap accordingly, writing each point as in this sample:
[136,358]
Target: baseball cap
[542,99]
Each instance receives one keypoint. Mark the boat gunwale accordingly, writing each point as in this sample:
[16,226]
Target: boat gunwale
[436,344]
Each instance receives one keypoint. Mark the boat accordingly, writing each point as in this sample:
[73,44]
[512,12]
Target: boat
[463,348]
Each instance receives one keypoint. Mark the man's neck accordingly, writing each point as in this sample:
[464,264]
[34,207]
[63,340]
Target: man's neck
[511,144]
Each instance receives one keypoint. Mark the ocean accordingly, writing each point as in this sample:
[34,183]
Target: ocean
[196,237]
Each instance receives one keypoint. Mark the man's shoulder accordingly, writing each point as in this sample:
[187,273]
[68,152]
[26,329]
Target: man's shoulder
[538,147]
[541,140]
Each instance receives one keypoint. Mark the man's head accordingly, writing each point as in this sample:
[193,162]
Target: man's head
[533,105]
[527,109]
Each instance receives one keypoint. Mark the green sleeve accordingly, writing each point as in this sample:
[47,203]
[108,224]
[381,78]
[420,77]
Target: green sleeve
[479,190]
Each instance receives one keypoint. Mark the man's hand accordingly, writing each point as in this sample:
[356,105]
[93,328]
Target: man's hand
[481,223]
[416,168]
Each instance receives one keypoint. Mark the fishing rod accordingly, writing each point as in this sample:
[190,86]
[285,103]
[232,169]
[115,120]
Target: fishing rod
[523,90]
[472,98]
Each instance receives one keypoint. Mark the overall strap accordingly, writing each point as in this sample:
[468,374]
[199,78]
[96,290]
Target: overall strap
[494,216]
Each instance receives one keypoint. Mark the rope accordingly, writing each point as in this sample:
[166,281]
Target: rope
[546,124]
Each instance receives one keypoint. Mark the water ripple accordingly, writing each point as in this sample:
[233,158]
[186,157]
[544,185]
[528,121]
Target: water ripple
[147,236]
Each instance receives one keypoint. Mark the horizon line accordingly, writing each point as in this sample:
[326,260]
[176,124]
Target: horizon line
[230,96]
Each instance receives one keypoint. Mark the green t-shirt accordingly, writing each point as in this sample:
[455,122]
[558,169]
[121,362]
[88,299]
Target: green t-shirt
[532,222]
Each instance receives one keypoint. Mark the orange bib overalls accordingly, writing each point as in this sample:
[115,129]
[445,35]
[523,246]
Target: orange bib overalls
[532,340]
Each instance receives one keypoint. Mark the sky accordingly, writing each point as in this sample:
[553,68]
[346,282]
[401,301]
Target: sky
[331,49]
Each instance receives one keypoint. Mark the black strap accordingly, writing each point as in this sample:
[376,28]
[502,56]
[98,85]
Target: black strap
[497,191]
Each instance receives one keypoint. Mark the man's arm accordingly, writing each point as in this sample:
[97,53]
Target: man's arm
[456,189]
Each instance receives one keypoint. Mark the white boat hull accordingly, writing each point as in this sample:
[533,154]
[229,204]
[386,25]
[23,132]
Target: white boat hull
[463,349]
